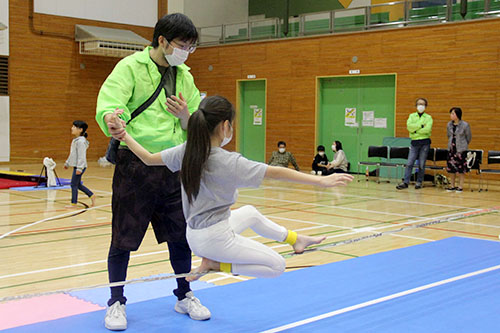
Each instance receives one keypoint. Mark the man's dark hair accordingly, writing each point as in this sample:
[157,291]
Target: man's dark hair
[321,148]
[174,26]
[281,143]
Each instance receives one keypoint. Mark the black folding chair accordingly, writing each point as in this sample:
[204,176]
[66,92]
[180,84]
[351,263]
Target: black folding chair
[375,151]
[493,158]
[400,153]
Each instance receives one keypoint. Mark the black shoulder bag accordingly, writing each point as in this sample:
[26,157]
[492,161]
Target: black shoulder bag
[113,145]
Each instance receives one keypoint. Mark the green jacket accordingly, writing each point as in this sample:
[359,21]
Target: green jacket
[133,81]
[414,126]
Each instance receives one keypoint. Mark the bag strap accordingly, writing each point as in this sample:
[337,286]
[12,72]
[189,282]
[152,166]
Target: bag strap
[150,100]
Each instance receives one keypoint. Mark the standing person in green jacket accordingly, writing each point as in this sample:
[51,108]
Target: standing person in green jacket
[419,126]
[143,194]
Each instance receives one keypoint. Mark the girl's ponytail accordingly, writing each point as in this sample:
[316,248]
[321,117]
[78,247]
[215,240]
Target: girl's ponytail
[201,125]
[196,154]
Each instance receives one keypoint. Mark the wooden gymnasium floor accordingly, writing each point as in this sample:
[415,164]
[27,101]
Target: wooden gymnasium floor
[68,248]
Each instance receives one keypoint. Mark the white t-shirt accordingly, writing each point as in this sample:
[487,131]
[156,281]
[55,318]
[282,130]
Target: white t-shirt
[225,172]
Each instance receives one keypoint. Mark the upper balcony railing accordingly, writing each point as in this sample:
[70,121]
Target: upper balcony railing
[391,14]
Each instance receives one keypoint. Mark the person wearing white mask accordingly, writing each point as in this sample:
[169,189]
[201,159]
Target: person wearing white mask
[339,164]
[210,177]
[320,161]
[419,126]
[141,193]
[282,157]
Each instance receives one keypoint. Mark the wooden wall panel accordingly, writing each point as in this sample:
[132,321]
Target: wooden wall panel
[49,89]
[452,65]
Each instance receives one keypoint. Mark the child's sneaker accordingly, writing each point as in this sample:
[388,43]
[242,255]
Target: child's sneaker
[451,189]
[459,190]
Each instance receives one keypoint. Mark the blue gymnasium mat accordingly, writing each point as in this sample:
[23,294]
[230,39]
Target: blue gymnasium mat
[468,305]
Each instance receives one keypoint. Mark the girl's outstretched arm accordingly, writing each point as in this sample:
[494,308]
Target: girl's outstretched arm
[116,127]
[289,175]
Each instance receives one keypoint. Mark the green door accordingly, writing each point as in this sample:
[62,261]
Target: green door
[357,111]
[252,119]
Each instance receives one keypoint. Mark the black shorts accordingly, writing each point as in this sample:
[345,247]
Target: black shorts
[142,194]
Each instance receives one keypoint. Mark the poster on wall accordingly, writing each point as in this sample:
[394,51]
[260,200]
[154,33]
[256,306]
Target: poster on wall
[257,116]
[350,117]
[380,123]
[368,118]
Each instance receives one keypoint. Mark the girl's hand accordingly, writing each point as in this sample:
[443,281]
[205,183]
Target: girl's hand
[78,172]
[337,179]
[178,107]
[116,126]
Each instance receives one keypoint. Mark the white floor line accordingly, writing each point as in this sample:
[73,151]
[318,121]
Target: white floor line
[477,224]
[3,203]
[101,191]
[80,265]
[380,300]
[97,177]
[412,237]
[359,196]
[52,218]
[226,276]
[331,206]
[399,224]
[307,222]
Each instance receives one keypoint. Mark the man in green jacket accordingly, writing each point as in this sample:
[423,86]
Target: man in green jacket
[140,193]
[419,126]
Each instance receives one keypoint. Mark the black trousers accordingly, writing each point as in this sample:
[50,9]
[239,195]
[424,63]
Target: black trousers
[141,195]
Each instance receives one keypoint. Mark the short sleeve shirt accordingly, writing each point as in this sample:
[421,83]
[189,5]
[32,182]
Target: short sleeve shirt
[225,172]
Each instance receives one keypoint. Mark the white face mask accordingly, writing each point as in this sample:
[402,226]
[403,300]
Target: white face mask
[333,147]
[420,108]
[321,153]
[281,150]
[177,58]
[225,141]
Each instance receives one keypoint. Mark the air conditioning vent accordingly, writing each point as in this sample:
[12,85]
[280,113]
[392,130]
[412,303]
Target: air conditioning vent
[108,42]
[4,75]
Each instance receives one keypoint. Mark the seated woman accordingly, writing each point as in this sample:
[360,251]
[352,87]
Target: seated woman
[320,161]
[339,163]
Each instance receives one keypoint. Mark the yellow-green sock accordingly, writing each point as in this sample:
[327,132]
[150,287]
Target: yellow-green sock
[291,238]
[225,267]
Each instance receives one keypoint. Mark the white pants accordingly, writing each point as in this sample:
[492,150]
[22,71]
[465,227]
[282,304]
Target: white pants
[222,242]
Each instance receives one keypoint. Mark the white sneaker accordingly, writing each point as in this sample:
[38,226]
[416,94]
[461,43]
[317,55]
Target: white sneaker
[313,172]
[320,173]
[116,318]
[192,306]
